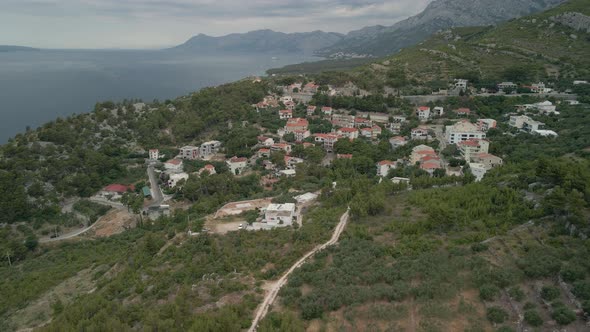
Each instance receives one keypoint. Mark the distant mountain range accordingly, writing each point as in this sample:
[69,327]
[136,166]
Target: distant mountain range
[11,48]
[261,41]
[438,15]
[375,40]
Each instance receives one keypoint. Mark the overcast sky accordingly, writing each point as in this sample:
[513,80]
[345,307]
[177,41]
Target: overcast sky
[159,23]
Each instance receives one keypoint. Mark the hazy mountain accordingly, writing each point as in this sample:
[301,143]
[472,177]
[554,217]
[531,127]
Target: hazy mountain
[262,41]
[440,14]
[11,48]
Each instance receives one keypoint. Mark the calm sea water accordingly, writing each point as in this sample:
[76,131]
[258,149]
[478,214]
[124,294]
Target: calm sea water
[36,87]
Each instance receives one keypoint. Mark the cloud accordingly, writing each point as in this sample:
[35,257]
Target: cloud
[152,23]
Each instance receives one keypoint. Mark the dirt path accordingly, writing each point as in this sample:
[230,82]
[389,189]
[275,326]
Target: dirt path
[272,293]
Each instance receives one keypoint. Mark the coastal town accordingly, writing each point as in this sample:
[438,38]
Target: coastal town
[434,139]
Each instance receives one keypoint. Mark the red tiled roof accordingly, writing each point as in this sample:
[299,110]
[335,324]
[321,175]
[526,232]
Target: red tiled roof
[174,161]
[423,108]
[344,156]
[429,157]
[470,142]
[119,188]
[285,111]
[348,130]
[264,150]
[430,165]
[463,110]
[209,166]
[386,162]
[238,160]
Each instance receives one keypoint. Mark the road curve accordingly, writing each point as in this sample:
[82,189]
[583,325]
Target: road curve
[271,295]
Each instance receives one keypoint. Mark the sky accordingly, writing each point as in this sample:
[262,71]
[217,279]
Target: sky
[163,23]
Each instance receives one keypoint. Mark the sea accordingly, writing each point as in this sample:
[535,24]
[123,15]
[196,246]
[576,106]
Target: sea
[40,86]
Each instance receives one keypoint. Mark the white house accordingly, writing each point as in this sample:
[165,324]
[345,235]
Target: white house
[507,85]
[525,123]
[237,165]
[350,133]
[327,110]
[285,114]
[173,165]
[420,133]
[281,147]
[311,110]
[280,214]
[189,152]
[384,166]
[462,131]
[478,170]
[486,124]
[423,113]
[266,141]
[471,147]
[286,99]
[461,84]
[175,178]
[154,154]
[209,149]
[397,142]
[438,111]
[209,168]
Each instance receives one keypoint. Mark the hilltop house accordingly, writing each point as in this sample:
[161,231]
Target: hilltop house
[311,110]
[300,135]
[525,123]
[362,122]
[209,149]
[281,147]
[328,140]
[280,214]
[208,168]
[462,131]
[350,133]
[343,120]
[296,124]
[420,133]
[285,114]
[173,165]
[175,178]
[397,142]
[507,86]
[327,110]
[463,111]
[116,189]
[486,124]
[384,166]
[311,87]
[438,111]
[472,147]
[265,141]
[291,162]
[237,165]
[264,152]
[154,154]
[423,113]
[478,170]
[189,152]
[487,159]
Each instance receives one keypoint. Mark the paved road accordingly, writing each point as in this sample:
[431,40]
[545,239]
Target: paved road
[68,235]
[157,195]
[271,295]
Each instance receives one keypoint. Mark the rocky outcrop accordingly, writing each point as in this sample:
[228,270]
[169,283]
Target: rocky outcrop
[574,20]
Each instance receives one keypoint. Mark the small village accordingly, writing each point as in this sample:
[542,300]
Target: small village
[436,140]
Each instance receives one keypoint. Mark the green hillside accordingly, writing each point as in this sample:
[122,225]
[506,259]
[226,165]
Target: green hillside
[531,48]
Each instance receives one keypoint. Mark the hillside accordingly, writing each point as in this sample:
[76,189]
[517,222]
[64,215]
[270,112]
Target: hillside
[261,41]
[440,14]
[551,45]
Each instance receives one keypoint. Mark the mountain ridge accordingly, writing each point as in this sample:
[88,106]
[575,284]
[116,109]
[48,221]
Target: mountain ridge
[439,14]
[257,41]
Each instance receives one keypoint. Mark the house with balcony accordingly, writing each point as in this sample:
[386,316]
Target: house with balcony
[463,131]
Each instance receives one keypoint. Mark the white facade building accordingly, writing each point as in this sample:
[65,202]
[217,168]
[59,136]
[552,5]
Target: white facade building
[280,214]
[462,131]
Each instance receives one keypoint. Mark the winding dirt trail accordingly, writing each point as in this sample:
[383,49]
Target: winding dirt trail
[272,293]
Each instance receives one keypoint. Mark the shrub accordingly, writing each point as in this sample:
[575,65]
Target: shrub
[488,292]
[573,273]
[516,293]
[497,315]
[582,289]
[549,293]
[562,314]
[533,318]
